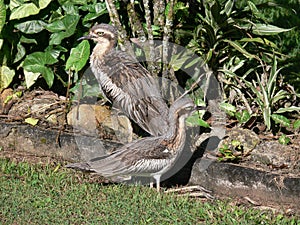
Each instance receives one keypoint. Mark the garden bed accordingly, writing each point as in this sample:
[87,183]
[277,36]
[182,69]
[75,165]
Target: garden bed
[259,186]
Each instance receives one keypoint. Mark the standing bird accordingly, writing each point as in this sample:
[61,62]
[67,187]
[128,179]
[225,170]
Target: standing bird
[126,83]
[149,156]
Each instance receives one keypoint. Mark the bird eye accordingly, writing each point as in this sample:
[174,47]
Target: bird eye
[100,33]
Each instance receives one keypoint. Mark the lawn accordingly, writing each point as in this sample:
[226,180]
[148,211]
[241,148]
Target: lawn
[51,194]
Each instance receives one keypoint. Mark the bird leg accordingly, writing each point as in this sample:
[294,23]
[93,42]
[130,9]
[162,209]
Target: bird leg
[157,179]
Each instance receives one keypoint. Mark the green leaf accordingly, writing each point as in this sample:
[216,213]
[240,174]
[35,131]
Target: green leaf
[296,124]
[243,117]
[288,109]
[260,40]
[6,77]
[267,118]
[30,77]
[21,52]
[227,107]
[39,58]
[36,63]
[27,9]
[228,7]
[265,29]
[284,140]
[280,119]
[63,28]
[239,48]
[31,121]
[253,8]
[78,56]
[196,120]
[95,11]
[31,27]
[2,15]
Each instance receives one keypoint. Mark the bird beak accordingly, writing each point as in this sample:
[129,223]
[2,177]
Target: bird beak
[87,37]
[200,108]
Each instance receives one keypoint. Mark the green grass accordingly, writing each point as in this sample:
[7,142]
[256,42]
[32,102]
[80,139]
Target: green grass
[49,194]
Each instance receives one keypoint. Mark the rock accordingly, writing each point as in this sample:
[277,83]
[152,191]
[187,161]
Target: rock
[240,140]
[97,120]
[276,155]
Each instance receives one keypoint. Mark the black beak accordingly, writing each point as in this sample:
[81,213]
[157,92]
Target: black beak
[200,107]
[87,37]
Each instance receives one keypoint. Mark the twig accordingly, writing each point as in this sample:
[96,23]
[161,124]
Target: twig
[166,38]
[136,25]
[159,13]
[114,17]
[151,65]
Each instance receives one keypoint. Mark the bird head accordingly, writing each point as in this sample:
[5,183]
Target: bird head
[182,108]
[102,34]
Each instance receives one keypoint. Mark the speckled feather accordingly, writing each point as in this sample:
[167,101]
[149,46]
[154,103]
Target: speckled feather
[150,156]
[127,84]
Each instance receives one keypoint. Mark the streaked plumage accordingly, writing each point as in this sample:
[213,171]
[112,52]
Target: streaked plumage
[149,156]
[126,83]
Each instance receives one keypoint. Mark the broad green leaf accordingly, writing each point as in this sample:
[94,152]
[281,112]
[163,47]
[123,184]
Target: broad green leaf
[31,121]
[288,109]
[31,27]
[6,77]
[39,58]
[20,53]
[48,75]
[2,15]
[243,117]
[227,107]
[95,11]
[280,119]
[195,120]
[265,29]
[239,48]
[30,77]
[296,124]
[78,56]
[64,28]
[27,9]
[28,40]
[36,63]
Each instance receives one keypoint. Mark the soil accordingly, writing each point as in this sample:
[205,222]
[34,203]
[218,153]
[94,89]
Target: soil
[50,110]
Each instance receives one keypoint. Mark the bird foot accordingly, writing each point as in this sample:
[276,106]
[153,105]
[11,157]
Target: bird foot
[192,191]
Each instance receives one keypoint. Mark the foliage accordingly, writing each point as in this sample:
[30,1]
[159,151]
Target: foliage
[265,97]
[49,194]
[36,37]
[238,47]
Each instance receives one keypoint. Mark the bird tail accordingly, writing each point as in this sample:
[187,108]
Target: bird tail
[80,166]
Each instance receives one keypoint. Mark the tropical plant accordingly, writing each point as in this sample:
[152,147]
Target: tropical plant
[36,37]
[267,98]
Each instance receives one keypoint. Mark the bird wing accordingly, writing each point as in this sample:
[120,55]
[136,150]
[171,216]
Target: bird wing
[142,156]
[138,93]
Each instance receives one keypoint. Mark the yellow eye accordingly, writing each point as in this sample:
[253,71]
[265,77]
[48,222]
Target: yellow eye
[100,33]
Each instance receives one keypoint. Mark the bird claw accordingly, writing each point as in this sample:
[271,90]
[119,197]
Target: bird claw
[192,191]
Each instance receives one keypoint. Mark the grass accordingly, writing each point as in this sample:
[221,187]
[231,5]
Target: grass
[50,194]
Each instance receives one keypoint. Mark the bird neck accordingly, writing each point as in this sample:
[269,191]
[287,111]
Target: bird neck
[176,135]
[101,49]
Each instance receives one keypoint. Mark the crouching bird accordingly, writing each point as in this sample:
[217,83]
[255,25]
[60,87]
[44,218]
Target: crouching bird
[149,156]
[125,82]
